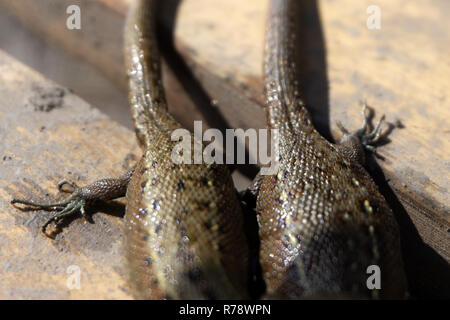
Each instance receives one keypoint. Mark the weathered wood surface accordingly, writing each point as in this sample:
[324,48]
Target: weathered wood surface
[92,43]
[38,149]
[402,70]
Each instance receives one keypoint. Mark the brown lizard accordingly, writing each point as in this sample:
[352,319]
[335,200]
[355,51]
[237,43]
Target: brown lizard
[183,222]
[322,219]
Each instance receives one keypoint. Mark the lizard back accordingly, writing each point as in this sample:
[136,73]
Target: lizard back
[322,219]
[184,224]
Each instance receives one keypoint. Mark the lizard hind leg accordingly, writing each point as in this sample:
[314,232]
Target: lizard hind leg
[67,206]
[353,144]
[103,189]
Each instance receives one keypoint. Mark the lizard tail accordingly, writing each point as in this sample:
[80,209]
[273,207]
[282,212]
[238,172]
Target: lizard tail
[285,109]
[142,60]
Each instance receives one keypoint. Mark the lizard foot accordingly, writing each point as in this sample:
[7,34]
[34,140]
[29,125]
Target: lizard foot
[370,139]
[103,189]
[68,206]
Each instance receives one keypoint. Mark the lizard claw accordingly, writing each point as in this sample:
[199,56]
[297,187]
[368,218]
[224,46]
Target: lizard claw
[341,127]
[370,139]
[103,189]
[69,209]
[69,205]
[70,183]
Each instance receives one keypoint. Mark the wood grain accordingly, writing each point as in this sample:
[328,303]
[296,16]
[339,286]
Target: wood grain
[401,70]
[38,149]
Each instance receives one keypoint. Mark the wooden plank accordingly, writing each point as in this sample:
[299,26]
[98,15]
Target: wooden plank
[399,70]
[48,134]
[91,43]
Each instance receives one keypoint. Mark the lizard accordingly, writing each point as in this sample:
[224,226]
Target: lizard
[322,220]
[183,222]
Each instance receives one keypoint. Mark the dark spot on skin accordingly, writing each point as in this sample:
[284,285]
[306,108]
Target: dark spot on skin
[206,204]
[143,185]
[142,212]
[220,247]
[155,204]
[180,185]
[195,274]
[201,205]
[180,252]
[148,261]
[153,181]
[154,163]
[158,228]
[190,257]
[145,237]
[155,282]
[318,169]
[143,170]
[207,225]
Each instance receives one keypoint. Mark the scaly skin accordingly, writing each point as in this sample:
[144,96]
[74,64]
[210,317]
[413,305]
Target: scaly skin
[183,222]
[184,225]
[322,219]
